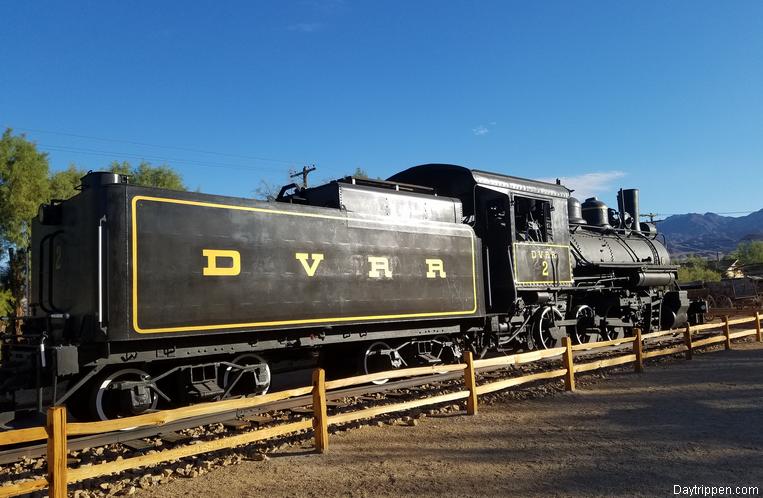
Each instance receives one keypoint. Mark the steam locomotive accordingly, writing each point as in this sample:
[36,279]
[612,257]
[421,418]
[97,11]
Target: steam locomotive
[144,296]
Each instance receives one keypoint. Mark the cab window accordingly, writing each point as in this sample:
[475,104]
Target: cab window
[532,219]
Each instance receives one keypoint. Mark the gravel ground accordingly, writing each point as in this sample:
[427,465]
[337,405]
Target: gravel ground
[685,423]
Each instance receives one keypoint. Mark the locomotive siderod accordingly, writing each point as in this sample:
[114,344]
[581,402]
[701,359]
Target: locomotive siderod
[143,296]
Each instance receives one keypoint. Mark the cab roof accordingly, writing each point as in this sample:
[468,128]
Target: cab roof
[459,181]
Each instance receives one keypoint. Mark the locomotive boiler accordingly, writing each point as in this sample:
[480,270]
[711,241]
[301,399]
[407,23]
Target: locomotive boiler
[556,267]
[143,296]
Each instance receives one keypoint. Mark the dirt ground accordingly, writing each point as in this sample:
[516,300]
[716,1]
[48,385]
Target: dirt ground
[682,422]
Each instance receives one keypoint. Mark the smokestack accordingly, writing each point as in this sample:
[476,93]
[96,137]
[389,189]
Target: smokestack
[627,202]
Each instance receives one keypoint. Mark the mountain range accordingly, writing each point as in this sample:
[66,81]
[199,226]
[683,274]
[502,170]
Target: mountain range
[709,233]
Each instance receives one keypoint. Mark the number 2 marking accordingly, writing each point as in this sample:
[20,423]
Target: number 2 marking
[545,268]
[57,264]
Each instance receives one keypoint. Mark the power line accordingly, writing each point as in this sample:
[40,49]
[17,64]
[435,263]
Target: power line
[115,154]
[145,144]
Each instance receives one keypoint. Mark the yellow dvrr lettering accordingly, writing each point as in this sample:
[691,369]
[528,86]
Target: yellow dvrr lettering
[435,267]
[379,264]
[543,254]
[310,268]
[214,255]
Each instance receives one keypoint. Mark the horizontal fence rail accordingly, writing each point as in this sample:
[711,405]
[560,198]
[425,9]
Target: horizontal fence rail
[57,430]
[167,416]
[23,436]
[395,374]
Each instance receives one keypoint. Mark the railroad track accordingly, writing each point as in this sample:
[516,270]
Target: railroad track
[388,391]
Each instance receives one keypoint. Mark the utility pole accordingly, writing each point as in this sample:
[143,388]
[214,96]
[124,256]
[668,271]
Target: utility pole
[651,216]
[305,171]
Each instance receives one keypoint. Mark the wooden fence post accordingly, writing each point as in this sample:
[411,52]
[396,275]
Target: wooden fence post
[320,415]
[727,331]
[569,377]
[687,341]
[471,384]
[757,327]
[56,427]
[638,350]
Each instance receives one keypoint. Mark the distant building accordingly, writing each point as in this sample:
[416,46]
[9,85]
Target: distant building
[729,268]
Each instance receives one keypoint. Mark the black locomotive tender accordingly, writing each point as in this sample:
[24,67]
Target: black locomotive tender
[144,296]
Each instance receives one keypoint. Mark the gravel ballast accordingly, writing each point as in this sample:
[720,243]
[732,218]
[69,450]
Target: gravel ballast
[680,423]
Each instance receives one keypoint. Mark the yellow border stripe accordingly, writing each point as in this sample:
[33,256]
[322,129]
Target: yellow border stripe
[543,244]
[134,244]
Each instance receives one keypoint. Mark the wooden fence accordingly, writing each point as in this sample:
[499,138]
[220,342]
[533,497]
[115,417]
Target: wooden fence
[58,430]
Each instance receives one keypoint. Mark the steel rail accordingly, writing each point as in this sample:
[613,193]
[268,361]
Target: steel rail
[79,443]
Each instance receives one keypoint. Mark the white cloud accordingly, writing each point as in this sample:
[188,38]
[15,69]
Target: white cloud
[590,184]
[480,130]
[484,129]
[306,27]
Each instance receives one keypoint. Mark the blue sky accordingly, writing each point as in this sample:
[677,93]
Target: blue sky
[665,96]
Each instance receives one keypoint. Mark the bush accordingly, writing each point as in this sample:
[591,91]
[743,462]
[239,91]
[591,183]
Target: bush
[750,253]
[697,269]
[6,302]
[693,274]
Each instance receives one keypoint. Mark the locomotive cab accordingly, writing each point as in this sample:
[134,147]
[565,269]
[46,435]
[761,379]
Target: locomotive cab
[525,238]
[526,246]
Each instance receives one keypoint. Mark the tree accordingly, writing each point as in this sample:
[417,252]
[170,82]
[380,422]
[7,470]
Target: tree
[697,274]
[23,185]
[146,175]
[123,168]
[750,252]
[360,173]
[65,184]
[697,269]
[6,298]
[6,306]
[266,191]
